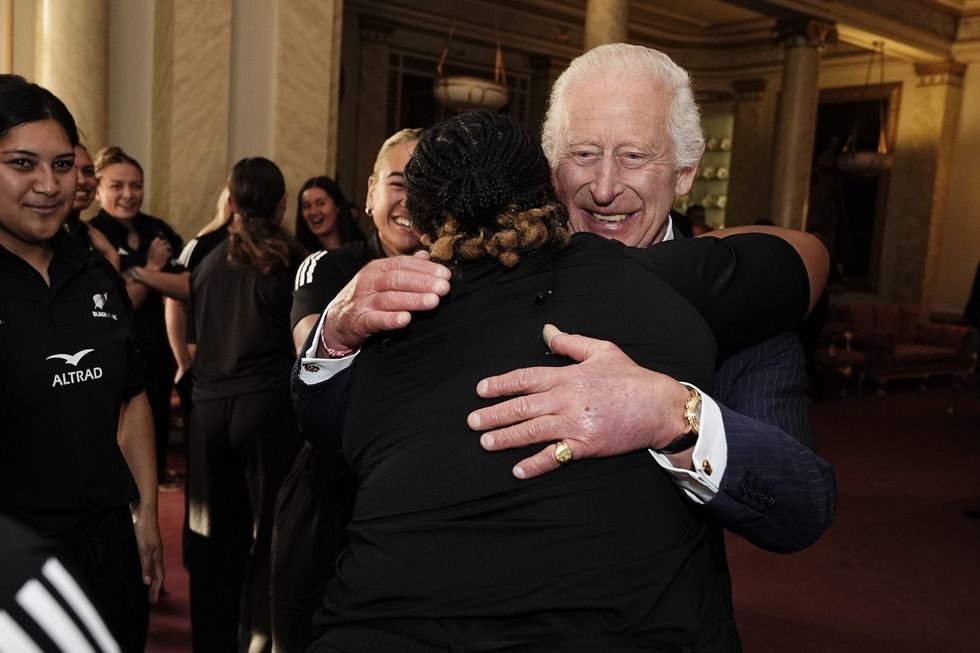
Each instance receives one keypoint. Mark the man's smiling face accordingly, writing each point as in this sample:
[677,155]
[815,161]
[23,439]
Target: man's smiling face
[616,173]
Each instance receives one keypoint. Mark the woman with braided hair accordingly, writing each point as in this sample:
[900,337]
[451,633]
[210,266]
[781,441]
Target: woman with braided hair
[243,430]
[448,551]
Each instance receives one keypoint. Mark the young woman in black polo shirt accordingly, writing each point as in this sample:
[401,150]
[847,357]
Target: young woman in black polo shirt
[76,437]
[243,432]
[146,246]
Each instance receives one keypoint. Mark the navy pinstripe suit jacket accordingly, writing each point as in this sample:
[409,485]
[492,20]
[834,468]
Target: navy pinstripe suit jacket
[776,491]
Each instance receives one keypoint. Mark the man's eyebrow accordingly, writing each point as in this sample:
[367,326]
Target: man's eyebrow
[396,173]
[27,152]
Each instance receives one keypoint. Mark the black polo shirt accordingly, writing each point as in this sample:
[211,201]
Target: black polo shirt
[67,361]
[239,319]
[198,248]
[323,274]
[150,328]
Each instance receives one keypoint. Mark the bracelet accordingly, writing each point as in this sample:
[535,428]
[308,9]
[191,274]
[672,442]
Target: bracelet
[331,352]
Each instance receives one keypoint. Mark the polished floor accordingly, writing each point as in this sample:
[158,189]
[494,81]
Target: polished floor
[898,572]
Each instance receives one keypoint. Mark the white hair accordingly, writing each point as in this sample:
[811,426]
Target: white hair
[683,117]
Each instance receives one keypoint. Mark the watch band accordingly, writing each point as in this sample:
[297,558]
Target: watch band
[692,416]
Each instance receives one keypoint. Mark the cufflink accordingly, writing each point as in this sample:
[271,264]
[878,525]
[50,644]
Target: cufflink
[310,367]
[706,467]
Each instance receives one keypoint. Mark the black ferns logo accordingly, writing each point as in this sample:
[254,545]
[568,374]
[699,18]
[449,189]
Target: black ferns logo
[99,300]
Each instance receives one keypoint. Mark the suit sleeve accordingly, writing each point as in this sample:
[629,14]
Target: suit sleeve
[776,491]
[320,406]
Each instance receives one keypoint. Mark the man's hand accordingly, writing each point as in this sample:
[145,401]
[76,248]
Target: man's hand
[603,406]
[381,297]
[151,551]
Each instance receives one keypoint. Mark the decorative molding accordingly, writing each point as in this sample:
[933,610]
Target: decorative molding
[374,29]
[803,31]
[969,28]
[748,90]
[711,95]
[943,73]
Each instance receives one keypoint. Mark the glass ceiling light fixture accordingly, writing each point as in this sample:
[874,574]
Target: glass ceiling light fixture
[468,93]
[865,163]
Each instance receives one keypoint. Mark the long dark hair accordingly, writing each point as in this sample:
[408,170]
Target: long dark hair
[346,226]
[22,102]
[257,188]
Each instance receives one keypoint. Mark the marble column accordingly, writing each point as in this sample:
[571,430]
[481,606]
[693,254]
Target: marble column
[191,110]
[751,158]
[372,100]
[797,117]
[307,84]
[923,168]
[72,61]
[606,21]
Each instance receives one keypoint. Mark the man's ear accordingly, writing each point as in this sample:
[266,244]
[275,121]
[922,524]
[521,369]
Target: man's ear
[686,176]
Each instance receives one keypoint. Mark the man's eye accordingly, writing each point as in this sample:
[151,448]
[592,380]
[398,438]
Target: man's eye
[583,155]
[64,165]
[21,163]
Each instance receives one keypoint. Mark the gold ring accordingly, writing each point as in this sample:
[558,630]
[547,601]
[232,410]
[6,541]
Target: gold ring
[563,453]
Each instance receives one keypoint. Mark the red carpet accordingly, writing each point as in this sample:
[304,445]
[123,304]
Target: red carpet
[899,571]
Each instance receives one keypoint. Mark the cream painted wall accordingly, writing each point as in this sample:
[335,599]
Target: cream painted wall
[25,18]
[6,35]
[961,229]
[253,68]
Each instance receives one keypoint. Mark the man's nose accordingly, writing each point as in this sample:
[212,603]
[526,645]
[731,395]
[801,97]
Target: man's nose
[607,186]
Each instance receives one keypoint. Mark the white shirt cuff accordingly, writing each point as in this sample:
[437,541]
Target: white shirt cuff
[710,455]
[313,370]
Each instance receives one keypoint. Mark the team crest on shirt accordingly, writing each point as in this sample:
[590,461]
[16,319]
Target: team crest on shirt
[100,300]
[76,375]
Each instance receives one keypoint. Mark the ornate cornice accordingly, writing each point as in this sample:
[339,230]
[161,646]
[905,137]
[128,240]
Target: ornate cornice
[942,73]
[375,29]
[748,90]
[803,31]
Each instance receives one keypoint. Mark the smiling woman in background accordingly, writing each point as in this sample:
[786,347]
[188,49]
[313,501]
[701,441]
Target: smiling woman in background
[76,428]
[146,246]
[323,216]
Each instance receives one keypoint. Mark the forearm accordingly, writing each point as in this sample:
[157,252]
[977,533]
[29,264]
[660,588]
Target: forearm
[175,316]
[136,441]
[137,291]
[302,330]
[170,284]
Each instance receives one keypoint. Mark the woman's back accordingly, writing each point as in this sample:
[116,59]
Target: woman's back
[239,318]
[443,531]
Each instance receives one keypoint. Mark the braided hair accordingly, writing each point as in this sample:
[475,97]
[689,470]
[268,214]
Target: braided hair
[479,185]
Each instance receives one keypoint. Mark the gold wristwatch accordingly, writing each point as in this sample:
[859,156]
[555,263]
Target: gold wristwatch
[692,416]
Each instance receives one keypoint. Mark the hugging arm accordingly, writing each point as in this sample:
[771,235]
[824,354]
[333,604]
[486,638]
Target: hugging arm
[776,491]
[631,408]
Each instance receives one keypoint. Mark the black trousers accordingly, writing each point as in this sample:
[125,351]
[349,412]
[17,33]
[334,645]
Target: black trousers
[159,368]
[104,554]
[312,513]
[241,449]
